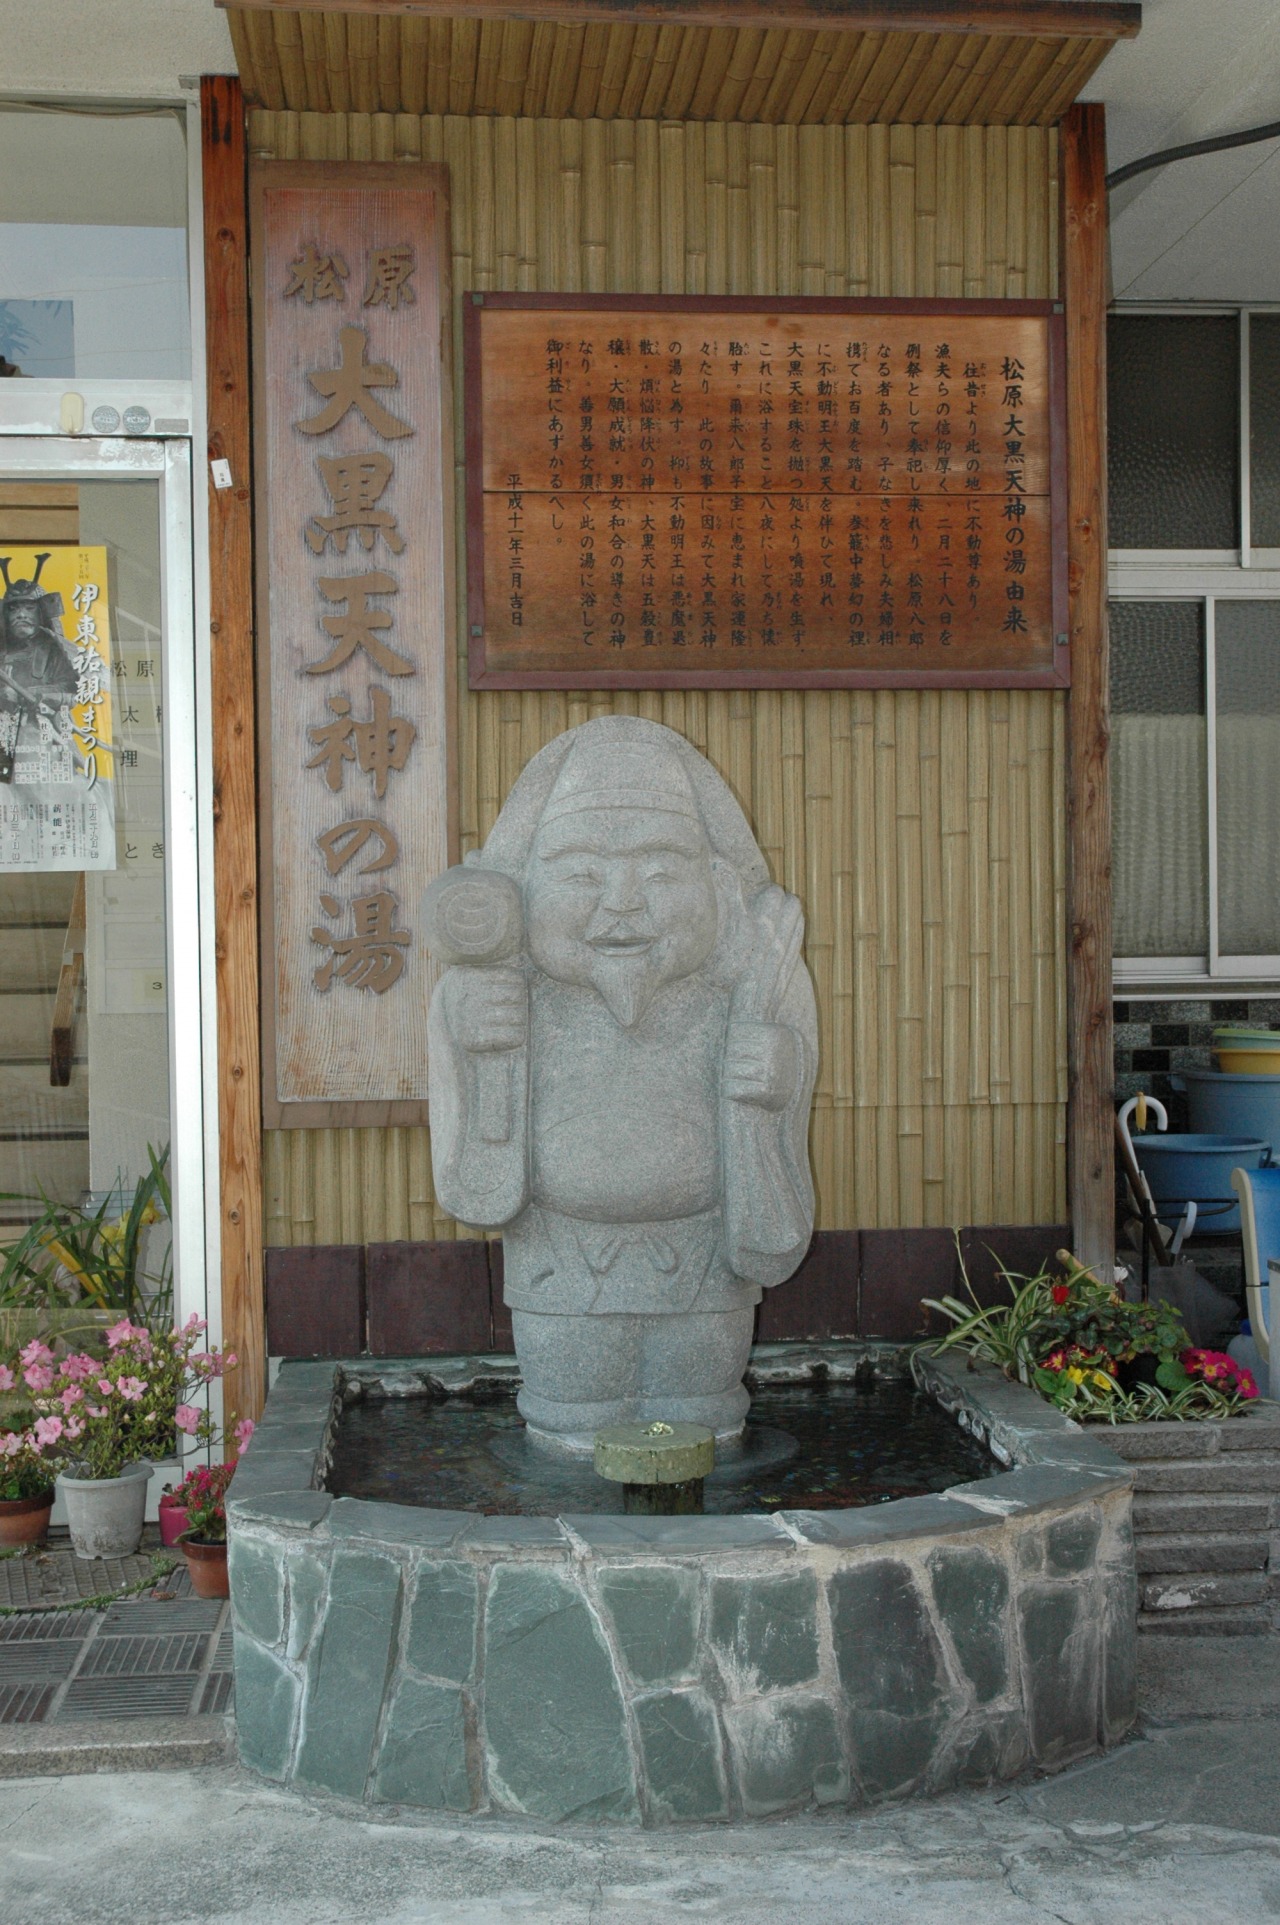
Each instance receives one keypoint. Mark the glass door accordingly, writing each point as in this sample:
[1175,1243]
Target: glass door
[101,1079]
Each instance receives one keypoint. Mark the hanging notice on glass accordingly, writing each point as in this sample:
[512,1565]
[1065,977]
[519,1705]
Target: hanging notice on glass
[57,787]
[353,456]
[694,492]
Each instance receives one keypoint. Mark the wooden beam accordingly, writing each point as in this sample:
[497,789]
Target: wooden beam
[1096,19]
[235,849]
[1090,1178]
[62,1032]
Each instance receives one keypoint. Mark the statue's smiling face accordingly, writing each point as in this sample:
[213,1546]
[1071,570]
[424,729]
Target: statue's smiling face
[622,899]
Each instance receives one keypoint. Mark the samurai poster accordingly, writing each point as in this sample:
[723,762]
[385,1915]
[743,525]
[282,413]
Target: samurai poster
[57,790]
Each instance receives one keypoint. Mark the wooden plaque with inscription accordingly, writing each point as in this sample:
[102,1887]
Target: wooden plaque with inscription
[702,492]
[353,454]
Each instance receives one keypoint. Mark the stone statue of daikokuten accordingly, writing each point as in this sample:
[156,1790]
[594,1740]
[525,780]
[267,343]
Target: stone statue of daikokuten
[622,1056]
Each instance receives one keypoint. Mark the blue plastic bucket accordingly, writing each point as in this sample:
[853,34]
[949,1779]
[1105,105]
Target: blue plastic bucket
[1233,1105]
[1180,1168]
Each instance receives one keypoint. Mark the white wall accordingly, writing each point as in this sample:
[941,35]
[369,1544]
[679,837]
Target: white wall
[110,48]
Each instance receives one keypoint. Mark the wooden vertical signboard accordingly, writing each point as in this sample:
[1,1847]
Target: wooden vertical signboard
[351,316]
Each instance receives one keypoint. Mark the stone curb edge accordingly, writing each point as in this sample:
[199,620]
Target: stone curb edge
[134,1744]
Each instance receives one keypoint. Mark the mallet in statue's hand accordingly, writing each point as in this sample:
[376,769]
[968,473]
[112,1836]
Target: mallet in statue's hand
[473,918]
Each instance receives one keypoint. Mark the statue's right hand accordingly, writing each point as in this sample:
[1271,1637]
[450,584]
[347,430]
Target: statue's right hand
[486,1008]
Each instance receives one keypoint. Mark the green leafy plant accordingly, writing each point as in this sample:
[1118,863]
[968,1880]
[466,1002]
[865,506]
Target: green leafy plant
[202,1494]
[1012,1335]
[68,1253]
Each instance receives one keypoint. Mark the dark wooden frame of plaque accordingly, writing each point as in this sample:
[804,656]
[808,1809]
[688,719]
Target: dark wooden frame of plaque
[338,1112]
[479,675]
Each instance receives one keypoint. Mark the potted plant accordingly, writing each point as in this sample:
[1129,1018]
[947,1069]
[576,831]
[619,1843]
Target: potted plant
[172,1515]
[104,1419]
[26,1488]
[203,1494]
[72,1269]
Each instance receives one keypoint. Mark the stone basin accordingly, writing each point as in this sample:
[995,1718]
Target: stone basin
[658,1670]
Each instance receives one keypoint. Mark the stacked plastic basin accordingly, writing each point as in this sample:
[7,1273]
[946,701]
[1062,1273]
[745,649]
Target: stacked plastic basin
[1234,1112]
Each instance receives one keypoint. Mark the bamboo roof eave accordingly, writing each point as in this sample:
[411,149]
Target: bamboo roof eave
[591,60]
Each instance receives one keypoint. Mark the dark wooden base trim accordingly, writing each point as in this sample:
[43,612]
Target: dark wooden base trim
[445,1298]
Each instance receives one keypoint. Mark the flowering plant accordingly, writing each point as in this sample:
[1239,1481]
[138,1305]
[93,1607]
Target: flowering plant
[99,1415]
[25,1471]
[202,1494]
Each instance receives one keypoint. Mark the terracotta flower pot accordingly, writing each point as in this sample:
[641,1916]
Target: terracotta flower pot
[207,1565]
[24,1520]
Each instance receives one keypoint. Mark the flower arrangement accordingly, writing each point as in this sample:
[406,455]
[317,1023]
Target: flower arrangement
[202,1494]
[103,1414]
[25,1471]
[69,1254]
[1071,1337]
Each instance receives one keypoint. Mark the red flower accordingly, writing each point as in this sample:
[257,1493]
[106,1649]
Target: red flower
[1061,1292]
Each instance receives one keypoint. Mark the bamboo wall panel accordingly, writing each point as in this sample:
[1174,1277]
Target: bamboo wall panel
[923,829]
[361,63]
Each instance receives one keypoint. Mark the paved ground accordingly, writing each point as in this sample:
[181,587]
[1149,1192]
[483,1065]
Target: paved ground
[1179,1827]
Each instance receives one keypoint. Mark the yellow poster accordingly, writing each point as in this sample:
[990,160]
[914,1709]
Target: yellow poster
[57,784]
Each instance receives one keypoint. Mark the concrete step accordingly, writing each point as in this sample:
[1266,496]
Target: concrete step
[31,957]
[31,1104]
[1202,1551]
[1247,1621]
[1175,1515]
[25,1021]
[36,897]
[1192,1590]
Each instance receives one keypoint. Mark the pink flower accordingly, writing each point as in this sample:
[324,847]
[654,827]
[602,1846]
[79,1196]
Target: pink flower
[78,1368]
[132,1389]
[71,1397]
[120,1333]
[7,1379]
[195,1323]
[10,1443]
[96,1410]
[48,1430]
[36,1353]
[227,1361]
[38,1376]
[106,1386]
[187,1418]
[74,1427]
[244,1431]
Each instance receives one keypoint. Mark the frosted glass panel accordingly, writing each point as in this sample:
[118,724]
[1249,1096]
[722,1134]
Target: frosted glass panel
[1264,428]
[1158,764]
[1248,689]
[1173,424]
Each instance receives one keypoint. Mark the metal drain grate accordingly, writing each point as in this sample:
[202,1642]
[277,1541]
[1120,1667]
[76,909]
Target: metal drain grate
[39,1658]
[147,1697]
[46,1625]
[148,1616]
[117,1657]
[60,1577]
[218,1687]
[224,1654]
[25,1703]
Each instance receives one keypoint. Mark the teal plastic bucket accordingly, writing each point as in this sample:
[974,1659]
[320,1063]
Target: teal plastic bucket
[1231,1105]
[1182,1168]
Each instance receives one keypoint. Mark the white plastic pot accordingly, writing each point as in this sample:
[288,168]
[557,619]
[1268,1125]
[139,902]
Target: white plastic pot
[105,1514]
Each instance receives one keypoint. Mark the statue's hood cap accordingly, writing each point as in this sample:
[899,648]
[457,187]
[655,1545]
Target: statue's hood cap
[599,774]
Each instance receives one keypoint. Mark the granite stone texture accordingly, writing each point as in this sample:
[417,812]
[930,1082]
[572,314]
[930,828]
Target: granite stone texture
[623,1047]
[698,1669]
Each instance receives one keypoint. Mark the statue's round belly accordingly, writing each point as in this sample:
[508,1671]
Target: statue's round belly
[612,1166]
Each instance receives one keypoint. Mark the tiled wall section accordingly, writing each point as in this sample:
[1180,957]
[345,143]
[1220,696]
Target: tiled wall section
[1153,1040]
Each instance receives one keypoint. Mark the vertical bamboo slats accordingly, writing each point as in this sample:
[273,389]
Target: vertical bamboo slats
[923,829]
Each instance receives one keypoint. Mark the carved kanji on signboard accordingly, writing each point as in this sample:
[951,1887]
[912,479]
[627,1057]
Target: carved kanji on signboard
[376,746]
[348,386]
[390,271]
[316,276]
[356,483]
[359,627]
[373,958]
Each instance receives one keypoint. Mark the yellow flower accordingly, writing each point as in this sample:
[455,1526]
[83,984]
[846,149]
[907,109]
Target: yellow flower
[1103,1381]
[1074,1374]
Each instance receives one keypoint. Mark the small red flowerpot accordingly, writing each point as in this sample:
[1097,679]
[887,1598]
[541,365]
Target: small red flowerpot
[173,1520]
[24,1520]
[207,1566]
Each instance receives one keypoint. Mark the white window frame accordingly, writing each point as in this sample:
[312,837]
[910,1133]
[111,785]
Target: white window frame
[1245,573]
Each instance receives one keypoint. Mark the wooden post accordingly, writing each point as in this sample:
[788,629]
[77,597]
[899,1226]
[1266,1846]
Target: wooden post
[1090,1154]
[234,756]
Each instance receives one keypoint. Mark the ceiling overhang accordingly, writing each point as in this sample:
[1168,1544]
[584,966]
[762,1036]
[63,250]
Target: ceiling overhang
[803,62]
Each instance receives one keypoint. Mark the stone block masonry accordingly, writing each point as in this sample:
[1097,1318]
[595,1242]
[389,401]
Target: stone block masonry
[670,1670]
[1206,1521]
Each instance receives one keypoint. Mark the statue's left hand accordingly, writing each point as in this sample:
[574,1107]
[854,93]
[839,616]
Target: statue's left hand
[760,1064]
